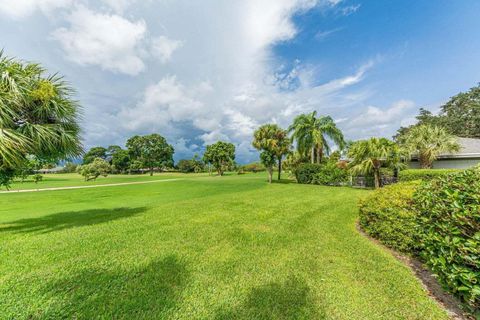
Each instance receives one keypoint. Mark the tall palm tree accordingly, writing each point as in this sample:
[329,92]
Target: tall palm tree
[312,134]
[274,143]
[38,116]
[428,142]
[368,156]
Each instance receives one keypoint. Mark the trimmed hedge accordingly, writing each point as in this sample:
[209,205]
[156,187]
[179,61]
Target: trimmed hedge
[424,174]
[387,214]
[449,213]
[438,220]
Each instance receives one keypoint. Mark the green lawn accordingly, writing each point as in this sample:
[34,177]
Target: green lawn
[199,248]
[74,179]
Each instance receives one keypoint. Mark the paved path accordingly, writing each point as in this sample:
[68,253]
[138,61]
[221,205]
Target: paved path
[91,186]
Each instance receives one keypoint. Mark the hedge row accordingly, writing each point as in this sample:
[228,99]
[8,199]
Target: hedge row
[388,216]
[437,220]
[424,174]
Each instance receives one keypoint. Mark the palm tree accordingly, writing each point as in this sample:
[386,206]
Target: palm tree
[311,134]
[368,156]
[38,116]
[274,143]
[428,142]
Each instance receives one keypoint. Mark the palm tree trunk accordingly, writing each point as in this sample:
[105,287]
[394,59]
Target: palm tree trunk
[313,155]
[376,174]
[279,167]
[424,163]
[270,174]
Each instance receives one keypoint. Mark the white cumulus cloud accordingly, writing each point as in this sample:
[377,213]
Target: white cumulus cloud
[107,40]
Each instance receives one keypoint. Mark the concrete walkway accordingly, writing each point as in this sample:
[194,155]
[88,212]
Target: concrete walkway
[92,186]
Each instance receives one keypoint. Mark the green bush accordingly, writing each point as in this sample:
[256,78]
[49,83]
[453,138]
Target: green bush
[424,174]
[330,174]
[449,213]
[387,215]
[253,167]
[306,172]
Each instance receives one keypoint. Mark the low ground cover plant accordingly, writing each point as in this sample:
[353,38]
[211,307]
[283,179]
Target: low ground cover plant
[437,220]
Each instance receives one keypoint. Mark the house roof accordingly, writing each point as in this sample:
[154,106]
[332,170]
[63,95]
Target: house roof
[469,148]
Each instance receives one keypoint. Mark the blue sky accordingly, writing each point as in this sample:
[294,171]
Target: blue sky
[197,72]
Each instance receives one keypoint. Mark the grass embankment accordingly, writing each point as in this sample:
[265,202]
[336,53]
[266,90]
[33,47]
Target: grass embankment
[202,248]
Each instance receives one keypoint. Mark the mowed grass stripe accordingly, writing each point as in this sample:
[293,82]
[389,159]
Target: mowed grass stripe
[210,248]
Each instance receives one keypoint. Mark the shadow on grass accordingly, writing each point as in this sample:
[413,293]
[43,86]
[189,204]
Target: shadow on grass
[147,292]
[67,220]
[291,299]
[284,181]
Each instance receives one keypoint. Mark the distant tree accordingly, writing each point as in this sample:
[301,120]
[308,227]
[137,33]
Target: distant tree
[38,117]
[198,165]
[428,142]
[271,139]
[93,153]
[135,166]
[185,166]
[191,165]
[120,160]
[311,132]
[98,167]
[152,150]
[220,155]
[111,150]
[368,156]
[70,167]
[460,116]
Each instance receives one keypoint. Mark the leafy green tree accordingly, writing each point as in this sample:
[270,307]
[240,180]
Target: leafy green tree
[272,139]
[93,153]
[38,117]
[311,134]
[460,116]
[185,166]
[428,142]
[220,155]
[151,150]
[198,165]
[98,167]
[135,166]
[191,165]
[368,156]
[120,160]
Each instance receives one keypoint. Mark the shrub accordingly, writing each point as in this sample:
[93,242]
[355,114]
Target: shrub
[387,215]
[424,174]
[305,172]
[253,167]
[449,213]
[331,174]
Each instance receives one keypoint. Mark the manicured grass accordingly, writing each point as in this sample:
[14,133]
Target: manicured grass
[203,248]
[74,179]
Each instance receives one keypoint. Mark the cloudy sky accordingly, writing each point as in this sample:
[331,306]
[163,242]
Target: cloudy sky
[201,71]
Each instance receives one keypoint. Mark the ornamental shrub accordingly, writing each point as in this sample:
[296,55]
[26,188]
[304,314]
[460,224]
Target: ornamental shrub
[449,213]
[305,172]
[387,214]
[424,174]
[331,174]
